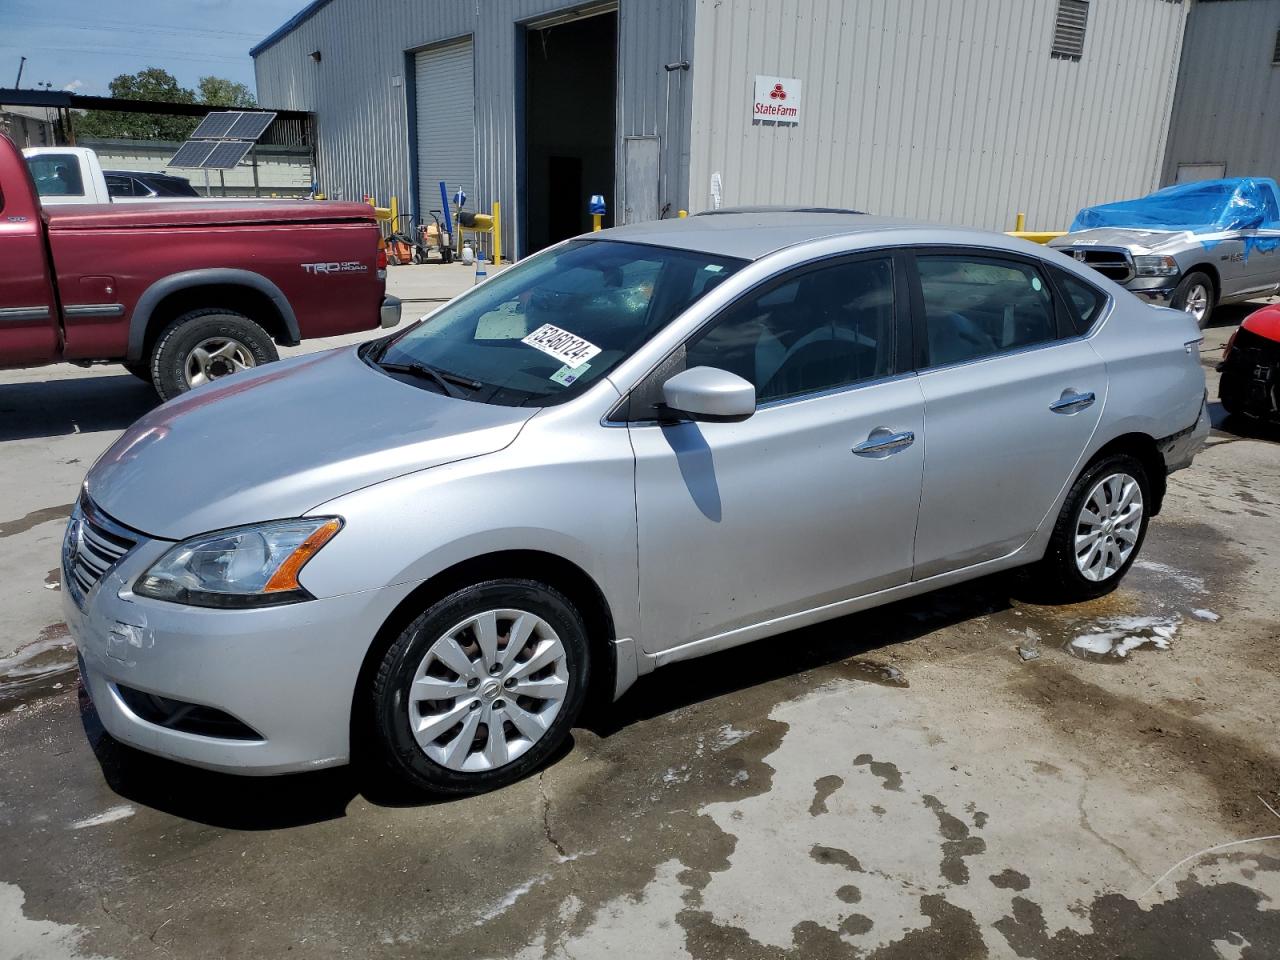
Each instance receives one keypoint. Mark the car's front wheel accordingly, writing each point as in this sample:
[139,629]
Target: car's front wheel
[482,687]
[1099,532]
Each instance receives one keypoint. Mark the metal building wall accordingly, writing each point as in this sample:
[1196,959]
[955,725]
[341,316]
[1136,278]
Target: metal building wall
[1227,107]
[945,110]
[358,88]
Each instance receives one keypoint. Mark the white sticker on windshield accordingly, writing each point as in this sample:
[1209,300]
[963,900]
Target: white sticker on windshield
[566,375]
[1036,284]
[568,348]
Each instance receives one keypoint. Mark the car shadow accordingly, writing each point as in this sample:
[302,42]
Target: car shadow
[54,408]
[271,803]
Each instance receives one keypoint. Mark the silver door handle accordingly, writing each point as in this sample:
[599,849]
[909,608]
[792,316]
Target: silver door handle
[1071,402]
[886,442]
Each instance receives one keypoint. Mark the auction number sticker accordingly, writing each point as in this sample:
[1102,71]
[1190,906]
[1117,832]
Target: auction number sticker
[569,348]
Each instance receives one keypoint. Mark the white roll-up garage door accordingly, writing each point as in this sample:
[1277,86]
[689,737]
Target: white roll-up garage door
[446,122]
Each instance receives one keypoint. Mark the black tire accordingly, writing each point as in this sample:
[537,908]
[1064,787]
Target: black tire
[1195,278]
[1056,578]
[446,255]
[177,341]
[140,370]
[388,694]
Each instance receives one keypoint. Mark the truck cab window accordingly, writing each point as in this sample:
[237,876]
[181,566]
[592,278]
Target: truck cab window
[56,175]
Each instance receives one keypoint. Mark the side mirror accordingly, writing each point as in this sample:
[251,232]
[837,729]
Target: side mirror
[708,394]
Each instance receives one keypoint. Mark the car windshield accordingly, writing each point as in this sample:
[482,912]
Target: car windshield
[541,331]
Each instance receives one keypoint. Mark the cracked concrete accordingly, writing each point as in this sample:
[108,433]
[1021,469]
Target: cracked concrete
[898,785]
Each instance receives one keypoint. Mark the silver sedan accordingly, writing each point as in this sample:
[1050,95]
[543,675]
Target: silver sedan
[633,448]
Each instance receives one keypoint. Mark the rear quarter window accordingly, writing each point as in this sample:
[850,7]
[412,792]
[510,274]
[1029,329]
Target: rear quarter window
[1084,301]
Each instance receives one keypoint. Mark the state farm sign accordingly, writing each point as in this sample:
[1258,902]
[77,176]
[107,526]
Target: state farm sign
[777,99]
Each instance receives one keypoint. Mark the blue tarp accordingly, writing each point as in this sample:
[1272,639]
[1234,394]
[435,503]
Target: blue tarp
[1209,206]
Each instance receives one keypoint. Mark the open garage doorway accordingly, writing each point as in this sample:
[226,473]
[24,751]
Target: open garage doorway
[570,97]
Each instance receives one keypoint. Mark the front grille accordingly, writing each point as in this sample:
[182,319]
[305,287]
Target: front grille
[1111,263]
[94,543]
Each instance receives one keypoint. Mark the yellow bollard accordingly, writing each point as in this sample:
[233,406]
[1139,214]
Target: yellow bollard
[497,234]
[395,213]
[682,214]
[1020,222]
[595,221]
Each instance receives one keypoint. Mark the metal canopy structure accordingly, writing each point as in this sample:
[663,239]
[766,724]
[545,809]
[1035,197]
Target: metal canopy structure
[222,139]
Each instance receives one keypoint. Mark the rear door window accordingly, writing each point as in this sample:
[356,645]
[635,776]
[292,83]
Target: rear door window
[977,306]
[56,174]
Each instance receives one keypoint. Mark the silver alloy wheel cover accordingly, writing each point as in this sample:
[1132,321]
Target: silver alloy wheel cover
[216,357]
[1107,526]
[487,690]
[1197,301]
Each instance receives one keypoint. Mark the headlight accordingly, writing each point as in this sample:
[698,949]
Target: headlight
[1151,265]
[255,566]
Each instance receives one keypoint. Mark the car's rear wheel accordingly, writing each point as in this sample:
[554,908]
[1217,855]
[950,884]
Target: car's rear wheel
[1099,532]
[205,345]
[482,687]
[1195,295]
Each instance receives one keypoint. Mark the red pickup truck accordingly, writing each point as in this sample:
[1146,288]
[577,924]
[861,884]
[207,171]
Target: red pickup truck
[180,293]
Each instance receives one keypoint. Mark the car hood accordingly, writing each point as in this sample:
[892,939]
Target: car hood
[278,441]
[1137,239]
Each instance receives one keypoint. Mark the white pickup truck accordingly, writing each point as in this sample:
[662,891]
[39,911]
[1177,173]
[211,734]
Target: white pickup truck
[74,175]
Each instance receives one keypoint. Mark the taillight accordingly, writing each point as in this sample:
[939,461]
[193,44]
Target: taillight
[381,261]
[1230,343]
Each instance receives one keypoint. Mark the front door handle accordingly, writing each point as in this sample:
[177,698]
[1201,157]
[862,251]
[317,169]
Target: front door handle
[1072,402]
[884,441]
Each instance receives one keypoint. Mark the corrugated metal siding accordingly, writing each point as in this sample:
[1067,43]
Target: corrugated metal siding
[446,124]
[358,89]
[946,110]
[1227,108]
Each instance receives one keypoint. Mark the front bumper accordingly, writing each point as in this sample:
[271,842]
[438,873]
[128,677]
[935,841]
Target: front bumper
[1157,291]
[389,314]
[288,673]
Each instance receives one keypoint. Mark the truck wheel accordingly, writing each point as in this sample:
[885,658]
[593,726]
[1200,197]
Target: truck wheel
[1194,295]
[205,345]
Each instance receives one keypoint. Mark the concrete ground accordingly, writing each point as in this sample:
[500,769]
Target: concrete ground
[895,784]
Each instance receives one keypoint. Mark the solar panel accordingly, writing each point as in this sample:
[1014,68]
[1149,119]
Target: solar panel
[192,154]
[215,126]
[226,154]
[250,126]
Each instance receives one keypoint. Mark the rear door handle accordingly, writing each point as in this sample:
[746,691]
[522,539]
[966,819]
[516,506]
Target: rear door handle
[883,441]
[1072,402]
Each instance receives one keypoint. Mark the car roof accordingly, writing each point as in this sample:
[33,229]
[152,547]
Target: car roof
[750,233]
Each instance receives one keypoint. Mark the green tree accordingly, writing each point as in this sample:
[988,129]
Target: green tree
[225,93]
[155,83]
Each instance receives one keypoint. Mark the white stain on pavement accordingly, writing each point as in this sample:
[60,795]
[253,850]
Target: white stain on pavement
[1121,635]
[106,816]
[30,939]
[1206,615]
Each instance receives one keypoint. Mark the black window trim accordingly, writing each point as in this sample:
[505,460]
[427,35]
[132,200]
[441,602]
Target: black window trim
[1066,331]
[903,329]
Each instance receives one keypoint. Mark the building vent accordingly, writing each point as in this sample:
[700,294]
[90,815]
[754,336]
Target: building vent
[1068,29]
[1275,54]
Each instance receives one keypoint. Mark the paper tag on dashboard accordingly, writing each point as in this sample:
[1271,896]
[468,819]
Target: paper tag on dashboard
[568,348]
[567,375]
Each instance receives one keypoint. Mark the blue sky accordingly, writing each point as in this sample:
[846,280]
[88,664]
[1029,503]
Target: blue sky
[82,44]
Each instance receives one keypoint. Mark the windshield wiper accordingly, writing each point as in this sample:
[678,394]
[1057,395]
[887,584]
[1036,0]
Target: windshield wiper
[442,378]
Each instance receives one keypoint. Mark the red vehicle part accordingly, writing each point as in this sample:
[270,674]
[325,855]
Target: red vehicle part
[105,282]
[1250,367]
